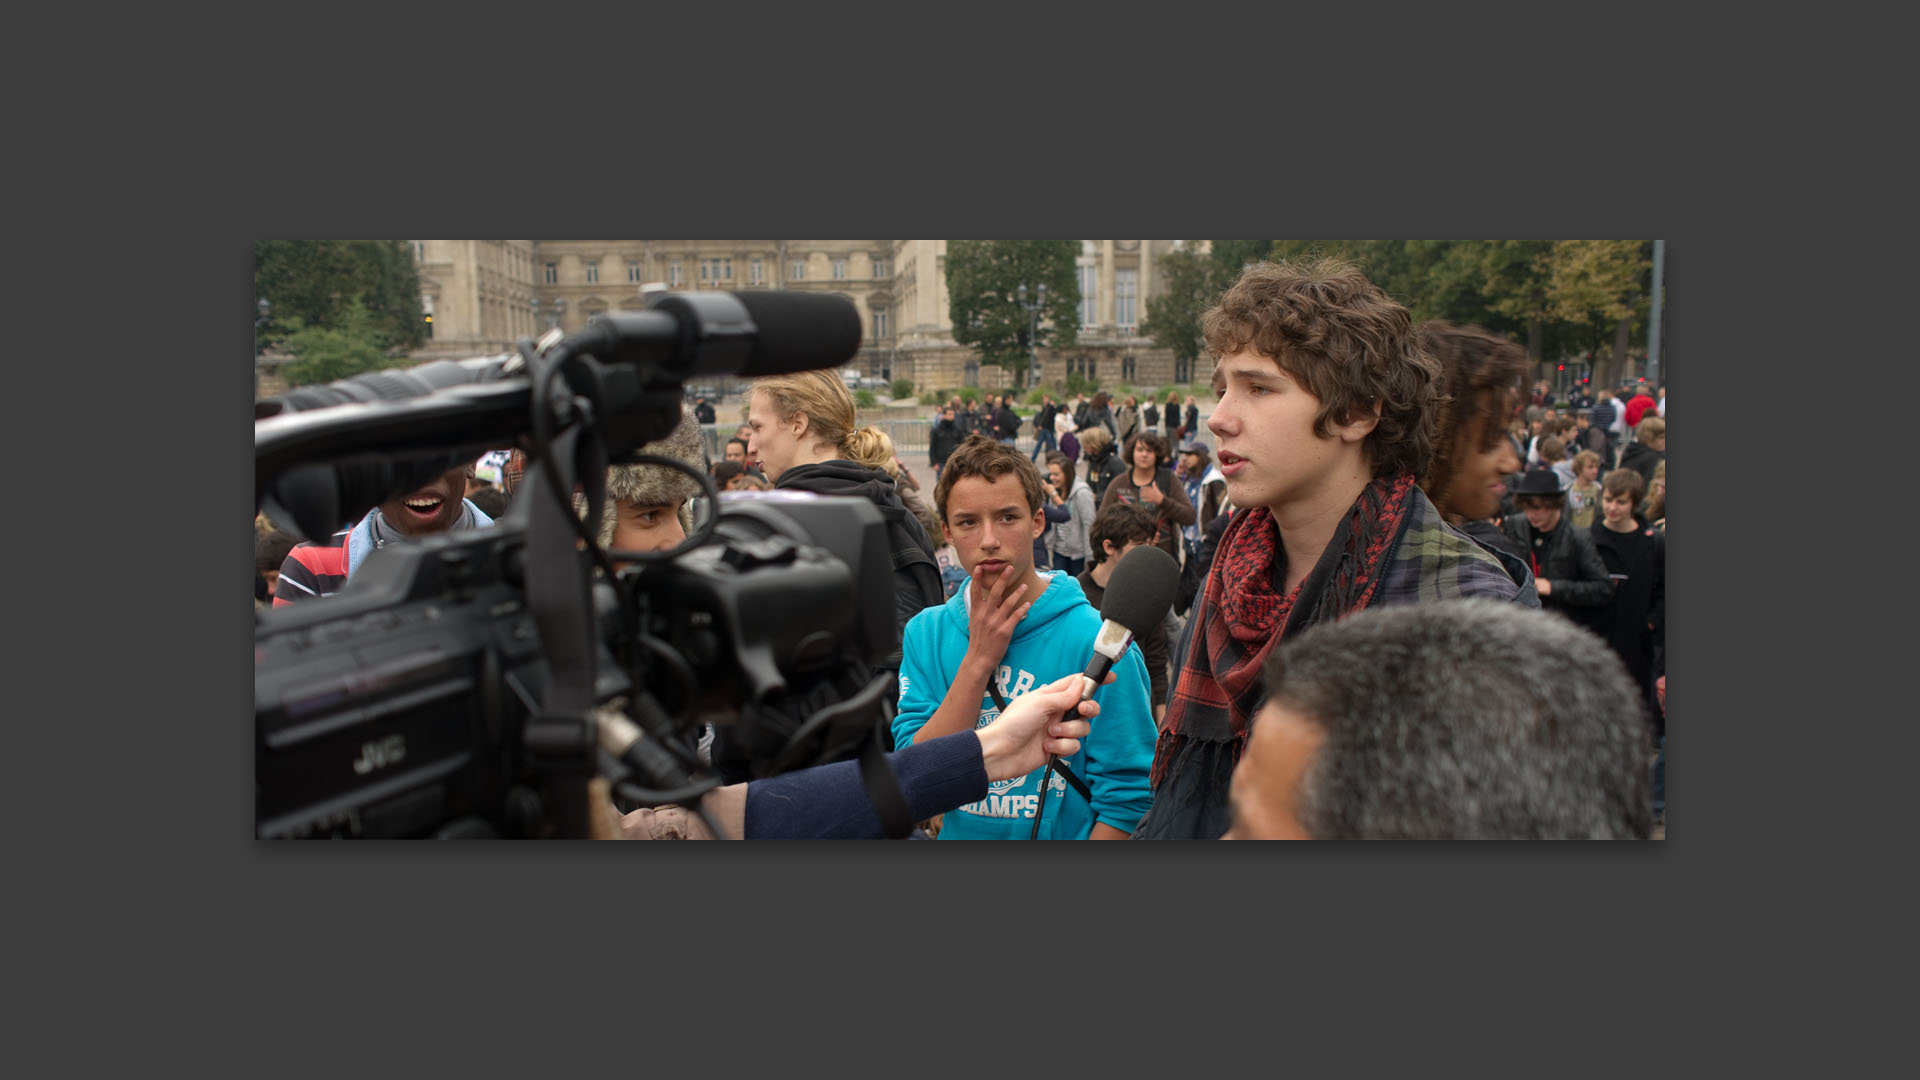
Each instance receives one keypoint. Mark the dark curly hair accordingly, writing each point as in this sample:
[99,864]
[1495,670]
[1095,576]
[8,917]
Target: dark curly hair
[1345,340]
[1162,454]
[1480,376]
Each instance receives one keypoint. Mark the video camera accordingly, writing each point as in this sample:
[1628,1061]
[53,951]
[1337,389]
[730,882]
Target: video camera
[485,682]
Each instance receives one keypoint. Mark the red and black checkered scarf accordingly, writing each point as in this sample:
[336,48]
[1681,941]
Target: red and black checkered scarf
[1244,616]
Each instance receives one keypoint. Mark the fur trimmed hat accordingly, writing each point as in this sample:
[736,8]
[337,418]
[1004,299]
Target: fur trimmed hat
[657,485]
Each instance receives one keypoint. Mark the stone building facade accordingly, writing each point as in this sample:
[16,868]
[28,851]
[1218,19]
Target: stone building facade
[483,294]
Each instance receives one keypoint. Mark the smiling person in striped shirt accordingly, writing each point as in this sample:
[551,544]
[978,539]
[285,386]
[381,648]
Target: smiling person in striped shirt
[323,569]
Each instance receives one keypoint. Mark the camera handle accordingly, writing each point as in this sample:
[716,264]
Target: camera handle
[561,739]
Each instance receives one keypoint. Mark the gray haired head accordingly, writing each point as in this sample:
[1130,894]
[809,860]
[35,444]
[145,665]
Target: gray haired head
[1466,719]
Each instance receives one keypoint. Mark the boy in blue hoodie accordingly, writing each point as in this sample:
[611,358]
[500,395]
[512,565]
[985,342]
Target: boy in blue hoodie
[1010,630]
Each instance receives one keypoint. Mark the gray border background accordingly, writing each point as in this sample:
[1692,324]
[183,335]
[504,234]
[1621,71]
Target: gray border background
[315,958]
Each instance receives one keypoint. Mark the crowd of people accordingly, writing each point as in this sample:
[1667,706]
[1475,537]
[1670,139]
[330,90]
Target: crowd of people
[1417,599]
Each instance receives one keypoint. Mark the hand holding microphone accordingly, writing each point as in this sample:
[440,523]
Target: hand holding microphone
[1047,720]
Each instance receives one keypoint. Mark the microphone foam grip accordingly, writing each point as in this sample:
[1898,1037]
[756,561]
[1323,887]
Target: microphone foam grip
[1141,590]
[797,331]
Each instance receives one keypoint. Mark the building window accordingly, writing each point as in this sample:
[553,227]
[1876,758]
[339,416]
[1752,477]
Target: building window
[756,272]
[593,272]
[797,270]
[673,273]
[420,251]
[1125,291]
[1127,370]
[553,273]
[879,268]
[839,269]
[716,269]
[1089,278]
[633,271]
[879,323]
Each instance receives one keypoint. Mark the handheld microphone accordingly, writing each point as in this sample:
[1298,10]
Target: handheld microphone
[1139,594]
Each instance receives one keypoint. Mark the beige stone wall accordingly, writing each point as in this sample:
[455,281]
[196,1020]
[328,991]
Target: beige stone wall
[483,294]
[479,293]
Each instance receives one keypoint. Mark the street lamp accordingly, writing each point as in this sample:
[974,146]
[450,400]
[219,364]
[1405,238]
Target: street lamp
[264,308]
[1033,328]
[553,317]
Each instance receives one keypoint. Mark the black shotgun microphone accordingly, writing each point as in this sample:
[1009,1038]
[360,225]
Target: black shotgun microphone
[1139,594]
[745,334]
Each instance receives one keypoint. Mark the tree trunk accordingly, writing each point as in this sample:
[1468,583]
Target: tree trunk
[1621,334]
[1534,334]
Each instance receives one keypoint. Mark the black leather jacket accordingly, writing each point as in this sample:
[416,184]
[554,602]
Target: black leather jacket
[1570,562]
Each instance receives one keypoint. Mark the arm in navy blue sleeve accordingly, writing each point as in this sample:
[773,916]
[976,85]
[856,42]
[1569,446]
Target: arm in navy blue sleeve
[829,802]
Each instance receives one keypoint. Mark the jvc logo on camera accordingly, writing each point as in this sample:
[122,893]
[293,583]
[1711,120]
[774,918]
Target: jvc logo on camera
[380,753]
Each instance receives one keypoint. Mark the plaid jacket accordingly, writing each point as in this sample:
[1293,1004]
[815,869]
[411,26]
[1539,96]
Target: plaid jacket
[1435,561]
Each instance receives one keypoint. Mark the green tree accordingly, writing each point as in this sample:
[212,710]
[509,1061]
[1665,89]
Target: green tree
[1173,313]
[1229,257]
[982,279]
[313,283]
[1598,288]
[323,354]
[1513,289]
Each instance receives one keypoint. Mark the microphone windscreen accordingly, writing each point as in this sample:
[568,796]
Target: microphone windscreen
[1141,590]
[796,331]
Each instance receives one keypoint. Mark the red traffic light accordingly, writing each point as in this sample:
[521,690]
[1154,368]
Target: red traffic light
[1563,367]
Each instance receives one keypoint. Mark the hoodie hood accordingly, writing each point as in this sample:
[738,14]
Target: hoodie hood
[839,477]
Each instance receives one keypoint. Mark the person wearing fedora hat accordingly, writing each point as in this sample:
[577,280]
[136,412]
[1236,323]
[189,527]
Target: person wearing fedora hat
[1567,571]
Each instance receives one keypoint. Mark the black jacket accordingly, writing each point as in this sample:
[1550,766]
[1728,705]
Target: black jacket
[1579,579]
[1006,423]
[916,574]
[1635,624]
[943,440]
[1642,459]
[1101,469]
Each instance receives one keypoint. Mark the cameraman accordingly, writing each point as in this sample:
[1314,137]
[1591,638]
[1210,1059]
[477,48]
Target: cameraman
[829,802]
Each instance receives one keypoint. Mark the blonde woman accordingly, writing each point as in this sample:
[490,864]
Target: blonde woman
[801,430]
